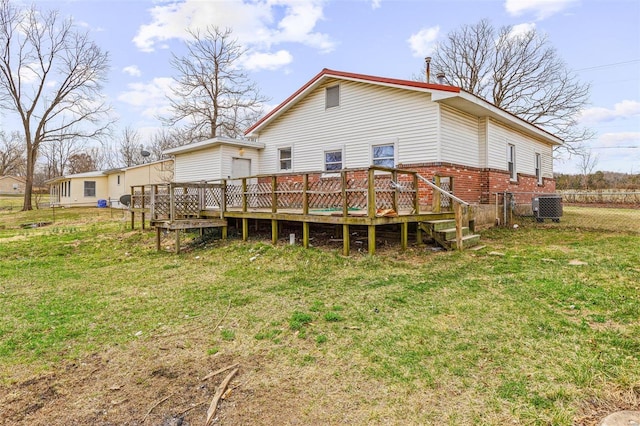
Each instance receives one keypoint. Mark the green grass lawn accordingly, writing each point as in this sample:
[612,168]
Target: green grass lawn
[541,326]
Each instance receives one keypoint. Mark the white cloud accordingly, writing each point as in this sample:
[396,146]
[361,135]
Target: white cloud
[150,98]
[376,4]
[257,25]
[423,42]
[268,61]
[521,29]
[619,139]
[621,110]
[540,8]
[132,70]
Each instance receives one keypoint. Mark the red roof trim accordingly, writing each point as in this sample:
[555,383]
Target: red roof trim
[341,74]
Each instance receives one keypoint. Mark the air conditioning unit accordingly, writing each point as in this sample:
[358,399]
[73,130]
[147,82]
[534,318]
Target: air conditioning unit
[547,207]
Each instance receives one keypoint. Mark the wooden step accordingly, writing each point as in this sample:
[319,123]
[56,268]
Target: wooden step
[450,233]
[467,241]
[437,225]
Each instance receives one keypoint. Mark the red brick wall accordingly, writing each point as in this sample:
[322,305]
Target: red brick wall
[475,185]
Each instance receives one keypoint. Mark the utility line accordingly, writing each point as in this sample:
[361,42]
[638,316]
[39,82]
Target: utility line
[609,65]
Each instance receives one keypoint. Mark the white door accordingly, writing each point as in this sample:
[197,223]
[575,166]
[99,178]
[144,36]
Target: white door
[240,167]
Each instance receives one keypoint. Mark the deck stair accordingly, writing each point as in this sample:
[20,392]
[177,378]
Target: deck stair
[444,233]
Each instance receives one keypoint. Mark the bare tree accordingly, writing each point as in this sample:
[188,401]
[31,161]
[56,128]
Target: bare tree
[518,72]
[587,163]
[213,96]
[11,154]
[51,76]
[166,139]
[130,147]
[56,154]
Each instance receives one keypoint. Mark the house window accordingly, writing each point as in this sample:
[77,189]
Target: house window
[89,188]
[538,169]
[333,160]
[118,179]
[284,158]
[332,97]
[383,155]
[511,162]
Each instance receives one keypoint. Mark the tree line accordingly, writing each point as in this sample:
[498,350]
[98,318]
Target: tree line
[52,75]
[598,181]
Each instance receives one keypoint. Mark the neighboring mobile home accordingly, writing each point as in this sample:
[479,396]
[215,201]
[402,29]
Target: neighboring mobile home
[12,185]
[87,189]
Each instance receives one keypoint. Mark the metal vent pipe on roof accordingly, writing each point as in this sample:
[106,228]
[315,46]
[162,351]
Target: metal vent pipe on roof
[442,78]
[427,60]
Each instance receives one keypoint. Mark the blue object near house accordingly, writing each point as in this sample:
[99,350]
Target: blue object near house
[102,203]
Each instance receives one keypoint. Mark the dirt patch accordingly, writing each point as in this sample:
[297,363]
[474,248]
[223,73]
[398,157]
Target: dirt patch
[594,410]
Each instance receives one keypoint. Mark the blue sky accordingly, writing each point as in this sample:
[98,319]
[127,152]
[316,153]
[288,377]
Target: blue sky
[290,41]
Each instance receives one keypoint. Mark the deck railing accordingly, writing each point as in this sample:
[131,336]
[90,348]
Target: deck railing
[370,192]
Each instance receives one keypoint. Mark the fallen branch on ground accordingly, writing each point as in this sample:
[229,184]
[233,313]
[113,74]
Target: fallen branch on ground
[222,370]
[214,403]
[154,406]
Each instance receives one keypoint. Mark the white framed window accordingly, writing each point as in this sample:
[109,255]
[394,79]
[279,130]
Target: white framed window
[89,188]
[383,155]
[285,159]
[118,179]
[333,160]
[511,162]
[538,169]
[332,96]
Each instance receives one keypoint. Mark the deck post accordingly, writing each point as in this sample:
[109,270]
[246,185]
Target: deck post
[419,236]
[274,231]
[245,229]
[404,235]
[416,195]
[372,239]
[458,215]
[305,234]
[305,195]
[345,201]
[274,195]
[152,208]
[371,195]
[244,195]
[172,202]
[346,239]
[223,198]
[158,238]
[224,232]
[396,192]
[177,241]
[131,206]
[437,205]
[143,207]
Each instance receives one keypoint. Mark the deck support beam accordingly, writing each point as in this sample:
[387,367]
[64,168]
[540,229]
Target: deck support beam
[225,230]
[177,241]
[274,231]
[404,235]
[305,234]
[372,239]
[346,240]
[245,229]
[158,238]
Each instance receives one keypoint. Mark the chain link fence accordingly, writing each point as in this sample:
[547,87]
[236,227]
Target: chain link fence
[607,211]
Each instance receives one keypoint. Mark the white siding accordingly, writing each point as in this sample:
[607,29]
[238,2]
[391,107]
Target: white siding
[367,114]
[459,138]
[198,165]
[500,136]
[229,152]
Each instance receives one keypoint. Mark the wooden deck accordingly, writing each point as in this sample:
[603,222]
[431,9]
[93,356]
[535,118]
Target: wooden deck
[370,197]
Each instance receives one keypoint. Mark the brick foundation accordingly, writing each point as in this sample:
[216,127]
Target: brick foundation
[475,185]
